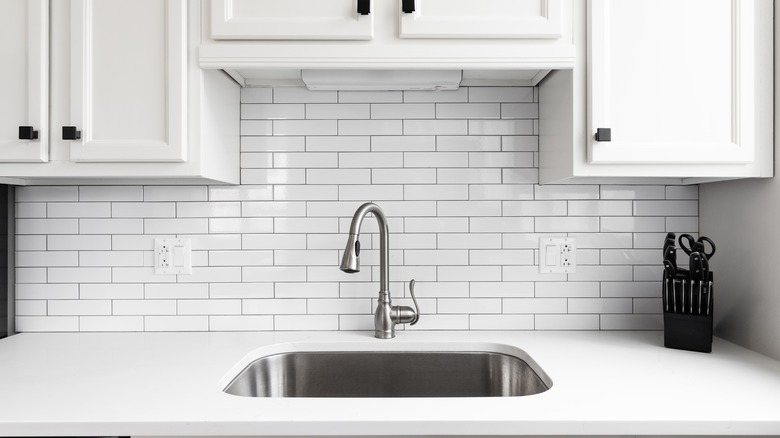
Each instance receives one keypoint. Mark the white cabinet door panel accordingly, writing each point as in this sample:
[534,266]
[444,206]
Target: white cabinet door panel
[289,20]
[128,80]
[673,80]
[24,79]
[483,19]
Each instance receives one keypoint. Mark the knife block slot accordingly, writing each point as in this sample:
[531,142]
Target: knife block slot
[688,332]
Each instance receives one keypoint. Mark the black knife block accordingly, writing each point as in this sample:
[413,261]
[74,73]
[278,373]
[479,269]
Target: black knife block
[689,332]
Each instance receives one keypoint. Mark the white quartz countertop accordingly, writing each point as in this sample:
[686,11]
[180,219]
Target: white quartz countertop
[170,384]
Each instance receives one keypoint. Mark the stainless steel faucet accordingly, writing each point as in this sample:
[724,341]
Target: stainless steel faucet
[386,315]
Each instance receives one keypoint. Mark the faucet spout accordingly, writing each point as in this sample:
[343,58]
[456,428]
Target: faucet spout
[386,315]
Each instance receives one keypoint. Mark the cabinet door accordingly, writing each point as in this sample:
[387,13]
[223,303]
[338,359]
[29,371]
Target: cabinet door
[128,80]
[674,80]
[24,79]
[482,19]
[290,20]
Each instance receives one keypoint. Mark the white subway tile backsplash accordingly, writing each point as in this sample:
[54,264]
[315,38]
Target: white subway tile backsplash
[456,173]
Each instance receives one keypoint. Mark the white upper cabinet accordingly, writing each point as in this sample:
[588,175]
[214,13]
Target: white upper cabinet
[24,80]
[128,80]
[116,96]
[292,20]
[678,89]
[481,19]
[674,81]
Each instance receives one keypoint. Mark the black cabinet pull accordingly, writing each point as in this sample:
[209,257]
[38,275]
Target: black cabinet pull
[603,134]
[27,133]
[70,133]
[364,7]
[407,6]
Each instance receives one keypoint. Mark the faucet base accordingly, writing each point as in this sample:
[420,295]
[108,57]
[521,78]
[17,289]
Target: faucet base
[384,334]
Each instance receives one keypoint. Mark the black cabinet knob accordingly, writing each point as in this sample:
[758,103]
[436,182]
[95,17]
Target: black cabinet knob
[27,133]
[363,7]
[603,134]
[407,6]
[70,133]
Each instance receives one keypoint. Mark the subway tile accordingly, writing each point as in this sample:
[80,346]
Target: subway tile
[35,243]
[651,272]
[256,160]
[370,96]
[274,274]
[469,208]
[273,176]
[307,290]
[468,305]
[46,258]
[572,289]
[78,209]
[208,209]
[219,274]
[138,275]
[256,95]
[306,225]
[469,241]
[143,209]
[175,291]
[303,95]
[501,94]
[435,127]
[249,323]
[403,111]
[435,159]
[208,307]
[501,322]
[634,289]
[403,209]
[520,176]
[340,306]
[600,305]
[30,307]
[470,143]
[213,241]
[520,143]
[600,208]
[47,291]
[338,111]
[175,193]
[111,258]
[468,111]
[46,194]
[241,193]
[306,322]
[501,257]
[436,257]
[435,192]
[338,144]
[566,192]
[469,273]
[272,111]
[304,127]
[30,275]
[332,273]
[529,273]
[30,210]
[111,193]
[632,192]
[111,323]
[632,224]
[500,192]
[241,225]
[647,305]
[144,307]
[306,192]
[273,209]
[682,224]
[115,291]
[273,144]
[567,224]
[338,176]
[501,159]
[535,208]
[666,208]
[241,290]
[501,127]
[241,258]
[374,192]
[534,305]
[630,257]
[602,273]
[370,127]
[649,240]
[305,257]
[356,322]
[442,322]
[519,110]
[566,322]
[441,289]
[79,275]
[172,226]
[501,289]
[459,95]
[305,160]
[436,225]
[405,143]
[111,226]
[256,127]
[603,240]
[47,324]
[79,307]
[176,323]
[682,192]
[402,176]
[47,226]
[273,241]
[468,176]
[370,159]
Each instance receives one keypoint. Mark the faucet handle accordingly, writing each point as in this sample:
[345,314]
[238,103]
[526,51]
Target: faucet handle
[414,299]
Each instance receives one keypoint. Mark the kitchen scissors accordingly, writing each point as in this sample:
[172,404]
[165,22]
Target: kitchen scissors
[689,244]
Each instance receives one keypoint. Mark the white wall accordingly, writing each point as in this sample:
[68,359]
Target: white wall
[744,218]
[457,174]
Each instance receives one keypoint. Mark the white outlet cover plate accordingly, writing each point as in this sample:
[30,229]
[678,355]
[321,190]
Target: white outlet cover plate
[557,255]
[172,256]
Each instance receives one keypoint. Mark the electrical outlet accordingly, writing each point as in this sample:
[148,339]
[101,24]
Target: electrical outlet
[557,255]
[172,256]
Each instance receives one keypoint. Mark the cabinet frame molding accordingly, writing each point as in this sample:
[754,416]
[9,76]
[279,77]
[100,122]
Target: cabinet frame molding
[88,149]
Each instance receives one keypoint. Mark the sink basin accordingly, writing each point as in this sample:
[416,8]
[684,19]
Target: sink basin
[390,374]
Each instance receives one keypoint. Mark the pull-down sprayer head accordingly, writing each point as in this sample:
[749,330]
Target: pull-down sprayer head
[350,262]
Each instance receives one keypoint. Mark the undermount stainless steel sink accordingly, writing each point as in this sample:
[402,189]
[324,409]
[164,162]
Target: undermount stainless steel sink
[390,374]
